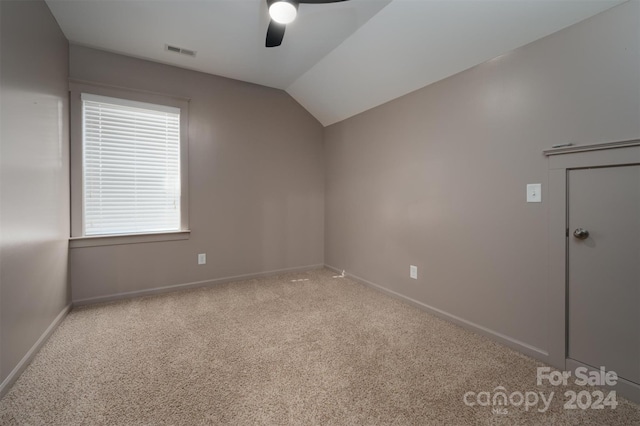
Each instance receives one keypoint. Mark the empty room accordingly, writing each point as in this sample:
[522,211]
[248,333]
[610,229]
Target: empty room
[310,212]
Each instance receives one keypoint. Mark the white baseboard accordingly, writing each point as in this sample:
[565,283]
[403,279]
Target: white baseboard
[519,346]
[28,357]
[196,284]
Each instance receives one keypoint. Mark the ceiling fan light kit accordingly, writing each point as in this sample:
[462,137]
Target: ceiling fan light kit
[283,12]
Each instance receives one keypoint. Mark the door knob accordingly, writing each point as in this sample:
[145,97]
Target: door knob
[581,234]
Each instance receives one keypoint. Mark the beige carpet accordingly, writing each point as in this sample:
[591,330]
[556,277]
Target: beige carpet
[276,352]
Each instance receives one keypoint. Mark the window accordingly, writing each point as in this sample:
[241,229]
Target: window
[131,167]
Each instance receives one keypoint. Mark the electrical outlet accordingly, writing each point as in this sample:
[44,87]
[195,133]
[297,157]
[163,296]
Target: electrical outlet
[413,272]
[202,259]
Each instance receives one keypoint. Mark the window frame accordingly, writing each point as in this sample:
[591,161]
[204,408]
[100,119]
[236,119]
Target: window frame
[77,238]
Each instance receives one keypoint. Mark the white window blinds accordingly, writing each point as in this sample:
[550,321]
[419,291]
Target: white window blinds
[131,166]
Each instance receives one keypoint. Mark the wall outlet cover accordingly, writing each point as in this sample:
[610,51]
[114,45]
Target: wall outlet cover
[413,272]
[202,259]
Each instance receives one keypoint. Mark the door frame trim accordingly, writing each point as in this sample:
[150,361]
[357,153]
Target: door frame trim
[559,162]
[569,149]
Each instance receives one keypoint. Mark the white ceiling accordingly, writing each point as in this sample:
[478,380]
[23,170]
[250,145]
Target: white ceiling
[228,35]
[337,59]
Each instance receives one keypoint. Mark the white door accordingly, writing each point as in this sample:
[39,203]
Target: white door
[604,268]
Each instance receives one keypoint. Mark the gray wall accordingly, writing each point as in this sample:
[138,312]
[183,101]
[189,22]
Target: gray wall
[437,178]
[256,183]
[34,173]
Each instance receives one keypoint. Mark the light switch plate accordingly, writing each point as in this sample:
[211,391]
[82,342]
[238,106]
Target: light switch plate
[202,259]
[534,193]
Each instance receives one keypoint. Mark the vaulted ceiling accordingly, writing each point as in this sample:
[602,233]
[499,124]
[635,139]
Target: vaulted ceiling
[338,59]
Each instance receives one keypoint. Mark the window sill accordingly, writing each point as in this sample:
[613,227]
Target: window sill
[115,240]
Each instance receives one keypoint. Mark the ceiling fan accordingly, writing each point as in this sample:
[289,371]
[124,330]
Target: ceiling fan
[283,12]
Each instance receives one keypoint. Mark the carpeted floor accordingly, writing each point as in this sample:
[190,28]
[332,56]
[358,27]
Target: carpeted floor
[277,352]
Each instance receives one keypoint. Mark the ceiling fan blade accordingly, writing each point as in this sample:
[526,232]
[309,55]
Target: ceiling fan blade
[275,34]
[319,1]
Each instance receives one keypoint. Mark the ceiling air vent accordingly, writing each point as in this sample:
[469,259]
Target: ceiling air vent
[180,50]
